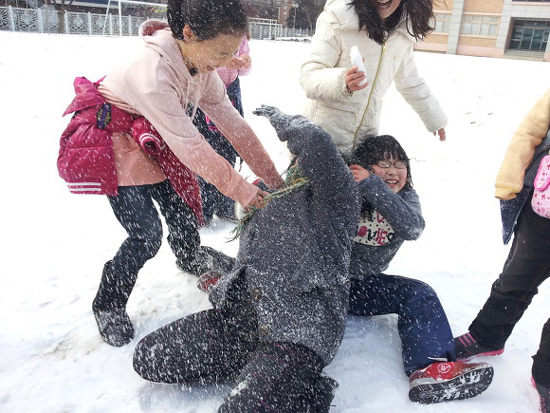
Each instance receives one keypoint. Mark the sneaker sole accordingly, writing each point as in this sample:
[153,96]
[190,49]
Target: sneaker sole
[465,386]
[487,353]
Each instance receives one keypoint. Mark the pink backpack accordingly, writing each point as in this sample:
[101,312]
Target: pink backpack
[541,195]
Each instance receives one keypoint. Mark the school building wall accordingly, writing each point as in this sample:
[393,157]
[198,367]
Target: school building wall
[491,28]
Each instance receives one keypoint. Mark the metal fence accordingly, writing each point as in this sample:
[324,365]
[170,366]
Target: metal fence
[43,20]
[46,20]
[262,29]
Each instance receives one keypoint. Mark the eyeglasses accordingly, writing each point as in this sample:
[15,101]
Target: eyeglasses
[384,163]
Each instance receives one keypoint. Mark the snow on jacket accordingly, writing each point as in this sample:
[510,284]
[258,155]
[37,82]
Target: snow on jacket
[295,251]
[86,158]
[397,218]
[514,183]
[346,116]
[183,180]
[157,85]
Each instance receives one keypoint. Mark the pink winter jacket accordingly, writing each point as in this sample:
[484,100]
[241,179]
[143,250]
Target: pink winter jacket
[157,85]
[86,158]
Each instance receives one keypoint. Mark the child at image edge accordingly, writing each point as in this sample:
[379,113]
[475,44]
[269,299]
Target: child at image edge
[528,262]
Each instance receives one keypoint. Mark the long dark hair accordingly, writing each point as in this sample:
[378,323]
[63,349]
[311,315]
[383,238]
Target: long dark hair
[207,18]
[418,14]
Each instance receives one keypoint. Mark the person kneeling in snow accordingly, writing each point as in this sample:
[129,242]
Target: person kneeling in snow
[390,215]
[279,316]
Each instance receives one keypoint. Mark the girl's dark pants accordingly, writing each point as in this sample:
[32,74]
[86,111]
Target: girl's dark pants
[135,210]
[422,324]
[525,269]
[215,346]
[213,201]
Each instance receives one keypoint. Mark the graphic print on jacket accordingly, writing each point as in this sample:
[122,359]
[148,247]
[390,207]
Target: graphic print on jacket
[374,230]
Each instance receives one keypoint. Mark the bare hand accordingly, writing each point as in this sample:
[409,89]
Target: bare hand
[354,78]
[257,201]
[241,62]
[359,173]
[442,134]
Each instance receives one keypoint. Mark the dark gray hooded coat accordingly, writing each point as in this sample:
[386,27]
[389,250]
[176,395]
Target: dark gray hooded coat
[295,252]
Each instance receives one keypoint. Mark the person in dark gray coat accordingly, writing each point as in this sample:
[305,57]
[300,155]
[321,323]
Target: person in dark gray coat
[279,316]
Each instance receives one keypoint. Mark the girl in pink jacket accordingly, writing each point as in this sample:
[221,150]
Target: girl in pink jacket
[160,89]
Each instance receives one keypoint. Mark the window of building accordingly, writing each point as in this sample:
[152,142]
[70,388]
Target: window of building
[442,22]
[530,35]
[479,25]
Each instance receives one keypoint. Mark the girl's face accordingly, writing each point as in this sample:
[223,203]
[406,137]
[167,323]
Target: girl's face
[394,177]
[386,7]
[208,55]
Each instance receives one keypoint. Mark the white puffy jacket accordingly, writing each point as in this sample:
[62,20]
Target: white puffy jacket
[348,116]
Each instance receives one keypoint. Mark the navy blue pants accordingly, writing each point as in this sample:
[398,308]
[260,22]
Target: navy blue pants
[422,324]
[527,267]
[135,210]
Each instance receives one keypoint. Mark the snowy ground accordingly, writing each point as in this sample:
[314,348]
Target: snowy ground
[55,243]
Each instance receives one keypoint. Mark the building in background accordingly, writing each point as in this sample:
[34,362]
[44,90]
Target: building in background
[491,28]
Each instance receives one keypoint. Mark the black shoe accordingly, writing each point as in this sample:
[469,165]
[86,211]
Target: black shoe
[207,260]
[115,327]
[324,389]
[466,347]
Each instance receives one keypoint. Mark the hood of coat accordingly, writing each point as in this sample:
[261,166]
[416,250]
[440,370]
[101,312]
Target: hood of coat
[157,35]
[345,18]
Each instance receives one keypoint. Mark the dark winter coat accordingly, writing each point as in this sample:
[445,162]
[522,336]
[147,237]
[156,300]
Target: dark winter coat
[295,252]
[399,217]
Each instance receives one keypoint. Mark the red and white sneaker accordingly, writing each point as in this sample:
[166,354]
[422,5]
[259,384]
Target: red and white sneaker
[446,381]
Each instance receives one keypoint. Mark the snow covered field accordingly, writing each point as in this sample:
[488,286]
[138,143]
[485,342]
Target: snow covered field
[55,243]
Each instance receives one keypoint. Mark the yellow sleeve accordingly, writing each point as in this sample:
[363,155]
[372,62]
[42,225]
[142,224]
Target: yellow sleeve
[530,133]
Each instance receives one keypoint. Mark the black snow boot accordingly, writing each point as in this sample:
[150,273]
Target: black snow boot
[321,394]
[277,378]
[109,308]
[206,260]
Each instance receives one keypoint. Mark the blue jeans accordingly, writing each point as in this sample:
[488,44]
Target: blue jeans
[422,324]
[136,212]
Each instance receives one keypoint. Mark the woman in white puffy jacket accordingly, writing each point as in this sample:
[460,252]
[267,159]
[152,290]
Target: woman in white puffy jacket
[385,33]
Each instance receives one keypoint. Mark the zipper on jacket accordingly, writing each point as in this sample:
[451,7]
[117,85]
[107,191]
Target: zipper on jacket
[370,95]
